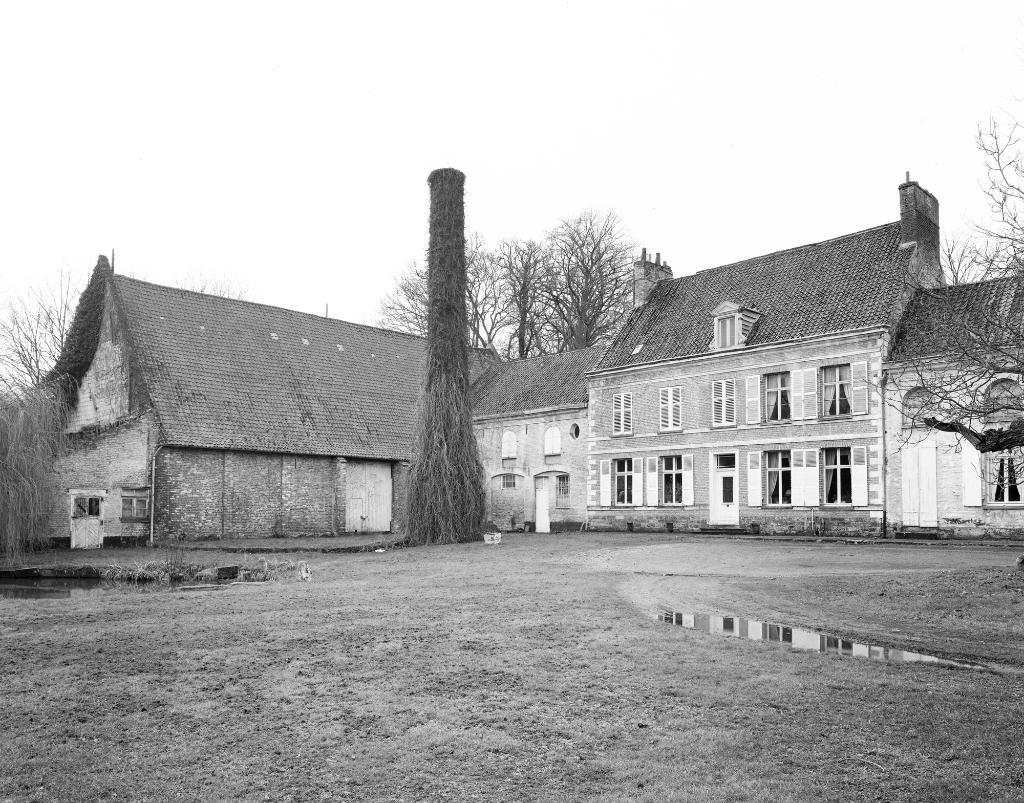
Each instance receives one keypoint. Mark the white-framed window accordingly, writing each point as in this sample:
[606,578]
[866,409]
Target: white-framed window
[672,480]
[836,390]
[723,402]
[915,402]
[508,481]
[838,476]
[726,328]
[776,397]
[134,504]
[623,481]
[622,414]
[86,507]
[552,441]
[780,477]
[1005,403]
[562,490]
[509,445]
[1006,477]
[670,403]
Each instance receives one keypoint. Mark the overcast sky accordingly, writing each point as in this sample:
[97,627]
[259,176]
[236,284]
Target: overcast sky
[285,146]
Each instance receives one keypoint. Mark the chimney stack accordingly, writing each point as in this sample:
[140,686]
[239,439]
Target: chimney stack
[646,274]
[919,227]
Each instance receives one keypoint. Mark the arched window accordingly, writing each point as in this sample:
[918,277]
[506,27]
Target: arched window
[509,445]
[1005,403]
[915,407]
[552,441]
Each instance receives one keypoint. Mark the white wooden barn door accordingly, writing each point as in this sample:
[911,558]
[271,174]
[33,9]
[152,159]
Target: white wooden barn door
[367,496]
[920,500]
[86,519]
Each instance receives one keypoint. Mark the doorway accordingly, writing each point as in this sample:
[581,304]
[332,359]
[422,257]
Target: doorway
[87,519]
[724,491]
[543,504]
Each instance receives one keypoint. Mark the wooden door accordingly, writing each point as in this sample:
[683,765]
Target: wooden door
[725,507]
[86,521]
[920,498]
[367,496]
[543,505]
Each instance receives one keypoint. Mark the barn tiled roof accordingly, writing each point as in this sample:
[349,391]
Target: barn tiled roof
[230,374]
[556,380]
[948,319]
[846,283]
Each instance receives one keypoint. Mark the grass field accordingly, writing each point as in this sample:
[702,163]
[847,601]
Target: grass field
[532,670]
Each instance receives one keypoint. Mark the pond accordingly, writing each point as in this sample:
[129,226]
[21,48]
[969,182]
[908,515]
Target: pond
[52,587]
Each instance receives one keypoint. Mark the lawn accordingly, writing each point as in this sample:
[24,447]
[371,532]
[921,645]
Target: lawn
[531,670]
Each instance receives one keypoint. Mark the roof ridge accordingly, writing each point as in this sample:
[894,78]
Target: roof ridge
[122,277]
[785,251]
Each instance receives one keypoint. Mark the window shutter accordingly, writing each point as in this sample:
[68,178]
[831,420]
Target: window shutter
[627,412]
[652,481]
[616,413]
[972,476]
[638,480]
[508,445]
[605,490]
[859,475]
[730,401]
[687,482]
[665,407]
[797,477]
[811,479]
[717,406]
[859,387]
[754,479]
[796,400]
[810,394]
[910,483]
[753,399]
[677,408]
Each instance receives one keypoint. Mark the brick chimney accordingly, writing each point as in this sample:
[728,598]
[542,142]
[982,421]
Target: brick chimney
[646,274]
[919,228]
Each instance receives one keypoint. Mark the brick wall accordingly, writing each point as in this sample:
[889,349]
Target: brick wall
[700,439]
[511,508]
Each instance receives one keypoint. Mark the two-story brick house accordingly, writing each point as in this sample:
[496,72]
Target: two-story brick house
[530,419]
[748,393]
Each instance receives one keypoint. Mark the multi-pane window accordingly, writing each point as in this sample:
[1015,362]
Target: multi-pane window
[838,478]
[86,507]
[508,481]
[670,402]
[1006,476]
[776,397]
[780,478]
[622,413]
[134,505]
[723,402]
[672,480]
[562,490]
[624,481]
[835,388]
[725,331]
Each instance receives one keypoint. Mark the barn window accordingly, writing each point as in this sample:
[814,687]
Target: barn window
[1006,480]
[508,481]
[562,491]
[552,441]
[86,507]
[509,445]
[574,431]
[134,504]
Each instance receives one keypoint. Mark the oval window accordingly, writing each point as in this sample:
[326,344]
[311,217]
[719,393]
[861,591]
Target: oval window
[574,431]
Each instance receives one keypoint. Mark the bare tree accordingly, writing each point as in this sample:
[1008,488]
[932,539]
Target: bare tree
[588,282]
[213,286]
[523,267]
[32,331]
[405,309]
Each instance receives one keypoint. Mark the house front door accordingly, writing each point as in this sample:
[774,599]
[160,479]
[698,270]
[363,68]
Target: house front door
[543,518]
[920,498]
[86,520]
[725,507]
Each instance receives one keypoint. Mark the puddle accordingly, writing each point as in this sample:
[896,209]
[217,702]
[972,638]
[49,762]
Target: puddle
[52,587]
[808,640]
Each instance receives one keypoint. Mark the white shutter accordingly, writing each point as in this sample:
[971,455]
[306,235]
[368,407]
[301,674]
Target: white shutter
[717,405]
[812,480]
[972,476]
[552,441]
[796,400]
[859,387]
[796,458]
[605,488]
[910,483]
[677,408]
[859,474]
[687,479]
[927,500]
[627,412]
[730,401]
[810,394]
[754,479]
[616,413]
[753,400]
[652,482]
[509,445]
[638,480]
[665,407]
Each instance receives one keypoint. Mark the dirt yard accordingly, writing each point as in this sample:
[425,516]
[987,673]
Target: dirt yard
[531,670]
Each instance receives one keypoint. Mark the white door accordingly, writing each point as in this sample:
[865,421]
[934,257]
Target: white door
[542,519]
[725,507]
[920,498]
[86,521]
[367,496]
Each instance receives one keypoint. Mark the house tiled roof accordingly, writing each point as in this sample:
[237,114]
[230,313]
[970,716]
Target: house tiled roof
[230,374]
[514,387]
[849,282]
[950,319]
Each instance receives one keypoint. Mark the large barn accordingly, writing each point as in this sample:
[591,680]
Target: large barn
[199,416]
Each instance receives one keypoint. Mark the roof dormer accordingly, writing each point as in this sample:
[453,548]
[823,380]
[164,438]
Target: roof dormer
[733,325]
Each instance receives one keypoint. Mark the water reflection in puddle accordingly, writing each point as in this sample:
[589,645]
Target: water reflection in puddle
[51,587]
[799,639]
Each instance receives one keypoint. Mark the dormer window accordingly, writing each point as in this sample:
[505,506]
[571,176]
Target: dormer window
[733,325]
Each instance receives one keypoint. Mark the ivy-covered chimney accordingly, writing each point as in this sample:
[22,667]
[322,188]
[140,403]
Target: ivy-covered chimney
[646,274]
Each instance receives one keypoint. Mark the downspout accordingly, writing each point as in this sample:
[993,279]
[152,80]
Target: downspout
[884,479]
[152,491]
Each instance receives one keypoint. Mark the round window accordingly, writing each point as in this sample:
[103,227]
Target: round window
[574,430]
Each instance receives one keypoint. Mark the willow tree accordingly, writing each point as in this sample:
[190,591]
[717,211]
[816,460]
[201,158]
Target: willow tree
[446,494]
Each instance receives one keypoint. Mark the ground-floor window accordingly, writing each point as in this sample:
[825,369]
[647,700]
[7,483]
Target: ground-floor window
[508,481]
[672,480]
[838,478]
[134,504]
[624,481]
[562,490]
[780,478]
[86,507]
[1006,476]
